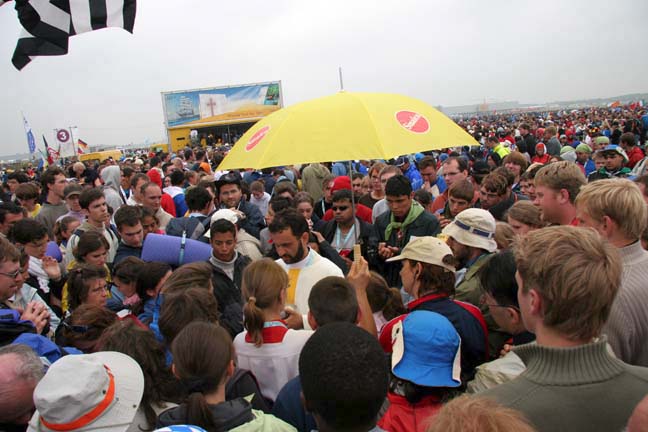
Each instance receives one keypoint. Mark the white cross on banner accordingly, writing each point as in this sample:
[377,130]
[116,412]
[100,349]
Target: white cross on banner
[65,142]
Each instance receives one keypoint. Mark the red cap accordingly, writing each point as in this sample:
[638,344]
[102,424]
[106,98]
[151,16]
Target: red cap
[340,183]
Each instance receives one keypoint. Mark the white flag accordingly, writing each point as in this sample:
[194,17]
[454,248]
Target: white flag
[65,142]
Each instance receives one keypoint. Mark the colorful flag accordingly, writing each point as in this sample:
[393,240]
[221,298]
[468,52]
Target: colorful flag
[31,142]
[614,104]
[48,24]
[51,153]
[82,146]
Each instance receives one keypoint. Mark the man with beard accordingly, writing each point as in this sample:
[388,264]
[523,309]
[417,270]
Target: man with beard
[305,267]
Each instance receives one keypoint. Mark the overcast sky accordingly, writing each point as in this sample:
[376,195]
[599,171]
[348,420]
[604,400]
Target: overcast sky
[443,52]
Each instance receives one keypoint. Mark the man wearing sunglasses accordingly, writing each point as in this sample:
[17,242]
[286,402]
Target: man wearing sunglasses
[341,232]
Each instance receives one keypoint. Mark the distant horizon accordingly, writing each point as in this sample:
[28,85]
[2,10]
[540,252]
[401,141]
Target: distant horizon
[601,99]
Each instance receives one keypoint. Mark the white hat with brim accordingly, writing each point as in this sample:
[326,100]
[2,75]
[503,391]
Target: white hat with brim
[100,391]
[428,250]
[473,227]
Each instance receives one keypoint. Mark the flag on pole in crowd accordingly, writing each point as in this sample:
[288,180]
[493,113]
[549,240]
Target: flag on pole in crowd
[82,146]
[31,142]
[614,104]
[52,155]
[65,143]
[48,24]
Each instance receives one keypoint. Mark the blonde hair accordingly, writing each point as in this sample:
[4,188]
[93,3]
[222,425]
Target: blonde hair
[576,273]
[478,414]
[504,235]
[561,175]
[527,213]
[262,284]
[620,200]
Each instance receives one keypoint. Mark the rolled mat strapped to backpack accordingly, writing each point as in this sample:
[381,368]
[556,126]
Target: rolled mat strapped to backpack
[174,251]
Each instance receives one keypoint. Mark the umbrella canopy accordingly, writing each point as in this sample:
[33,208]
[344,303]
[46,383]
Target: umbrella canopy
[345,126]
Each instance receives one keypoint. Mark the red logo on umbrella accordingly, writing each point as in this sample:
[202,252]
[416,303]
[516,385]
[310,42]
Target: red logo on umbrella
[256,138]
[412,121]
[62,135]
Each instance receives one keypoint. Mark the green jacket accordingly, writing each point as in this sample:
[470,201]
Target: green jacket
[470,290]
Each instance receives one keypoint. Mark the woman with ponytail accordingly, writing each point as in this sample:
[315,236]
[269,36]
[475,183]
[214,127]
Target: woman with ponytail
[268,348]
[203,360]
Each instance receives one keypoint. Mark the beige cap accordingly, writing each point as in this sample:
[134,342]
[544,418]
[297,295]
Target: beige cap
[427,249]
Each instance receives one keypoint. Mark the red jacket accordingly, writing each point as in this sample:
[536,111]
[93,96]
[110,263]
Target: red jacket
[402,416]
[634,157]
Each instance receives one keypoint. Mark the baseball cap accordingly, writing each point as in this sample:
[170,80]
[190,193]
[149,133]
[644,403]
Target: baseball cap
[226,214]
[341,183]
[100,391]
[229,178]
[426,249]
[426,350]
[601,140]
[400,161]
[583,148]
[615,148]
[72,189]
[473,227]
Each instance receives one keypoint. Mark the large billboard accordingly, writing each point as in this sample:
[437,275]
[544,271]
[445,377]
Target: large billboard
[221,104]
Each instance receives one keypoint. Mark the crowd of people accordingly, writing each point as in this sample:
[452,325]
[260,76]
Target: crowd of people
[500,287]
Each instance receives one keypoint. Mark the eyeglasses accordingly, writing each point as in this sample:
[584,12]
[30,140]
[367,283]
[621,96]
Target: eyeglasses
[340,208]
[76,328]
[12,275]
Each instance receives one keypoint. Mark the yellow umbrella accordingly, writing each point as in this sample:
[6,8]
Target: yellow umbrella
[345,126]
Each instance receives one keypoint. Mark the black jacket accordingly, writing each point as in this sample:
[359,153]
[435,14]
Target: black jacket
[254,221]
[228,295]
[366,231]
[228,414]
[124,251]
[425,225]
[194,226]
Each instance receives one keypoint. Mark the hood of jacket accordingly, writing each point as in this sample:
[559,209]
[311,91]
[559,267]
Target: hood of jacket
[111,176]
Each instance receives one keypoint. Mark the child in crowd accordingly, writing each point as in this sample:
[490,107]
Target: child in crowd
[63,230]
[203,360]
[87,285]
[386,303]
[150,222]
[424,371]
[92,248]
[124,289]
[268,348]
[149,283]
[541,156]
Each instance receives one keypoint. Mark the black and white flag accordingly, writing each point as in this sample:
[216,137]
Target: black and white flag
[48,24]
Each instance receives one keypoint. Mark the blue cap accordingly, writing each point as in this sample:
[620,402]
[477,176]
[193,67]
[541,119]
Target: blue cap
[401,160]
[426,350]
[617,149]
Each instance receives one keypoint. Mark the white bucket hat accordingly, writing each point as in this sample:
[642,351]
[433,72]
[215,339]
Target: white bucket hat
[473,227]
[100,391]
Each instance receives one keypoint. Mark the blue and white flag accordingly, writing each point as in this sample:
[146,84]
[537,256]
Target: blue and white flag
[30,136]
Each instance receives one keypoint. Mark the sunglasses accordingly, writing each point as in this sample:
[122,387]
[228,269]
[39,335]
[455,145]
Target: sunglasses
[340,208]
[77,328]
